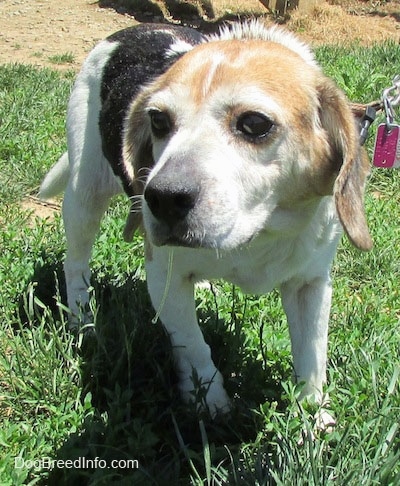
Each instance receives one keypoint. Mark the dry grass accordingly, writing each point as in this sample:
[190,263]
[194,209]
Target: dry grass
[333,22]
[347,23]
[238,6]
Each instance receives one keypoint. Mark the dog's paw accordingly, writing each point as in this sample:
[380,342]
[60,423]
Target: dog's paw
[217,400]
[324,421]
[81,321]
[207,394]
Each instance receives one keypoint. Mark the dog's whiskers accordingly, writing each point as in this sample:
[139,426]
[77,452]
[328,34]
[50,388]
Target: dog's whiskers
[144,169]
[142,174]
[142,179]
[136,203]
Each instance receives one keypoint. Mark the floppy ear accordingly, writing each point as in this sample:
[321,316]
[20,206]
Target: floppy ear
[350,161]
[137,161]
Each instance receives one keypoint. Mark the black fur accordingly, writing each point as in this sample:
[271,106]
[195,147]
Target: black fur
[138,59]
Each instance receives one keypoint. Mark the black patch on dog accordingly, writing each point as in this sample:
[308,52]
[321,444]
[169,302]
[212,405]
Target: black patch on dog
[138,59]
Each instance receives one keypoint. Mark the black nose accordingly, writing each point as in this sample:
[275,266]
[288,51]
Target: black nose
[170,202]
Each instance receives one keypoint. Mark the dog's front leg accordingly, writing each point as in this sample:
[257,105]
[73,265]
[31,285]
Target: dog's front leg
[174,301]
[307,306]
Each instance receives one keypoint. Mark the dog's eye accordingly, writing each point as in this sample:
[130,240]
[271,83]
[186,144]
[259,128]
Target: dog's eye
[160,123]
[255,126]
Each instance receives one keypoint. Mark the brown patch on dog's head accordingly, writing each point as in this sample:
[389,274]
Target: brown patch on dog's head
[313,118]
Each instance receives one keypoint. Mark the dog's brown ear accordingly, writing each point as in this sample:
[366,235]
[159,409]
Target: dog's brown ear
[137,162]
[349,160]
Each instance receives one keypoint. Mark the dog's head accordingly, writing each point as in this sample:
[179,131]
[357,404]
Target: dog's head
[241,129]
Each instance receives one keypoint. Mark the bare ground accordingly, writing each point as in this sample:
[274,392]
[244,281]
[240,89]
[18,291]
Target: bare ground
[42,32]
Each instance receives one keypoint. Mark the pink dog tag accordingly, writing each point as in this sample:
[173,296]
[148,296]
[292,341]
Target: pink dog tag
[387,147]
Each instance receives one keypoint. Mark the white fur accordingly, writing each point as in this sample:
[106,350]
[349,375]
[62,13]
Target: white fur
[89,180]
[178,48]
[56,179]
[256,30]
[248,230]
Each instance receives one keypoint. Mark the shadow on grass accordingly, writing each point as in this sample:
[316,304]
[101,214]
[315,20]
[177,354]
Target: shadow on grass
[128,376]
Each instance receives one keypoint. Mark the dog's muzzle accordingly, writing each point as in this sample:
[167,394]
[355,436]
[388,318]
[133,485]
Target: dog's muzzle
[172,204]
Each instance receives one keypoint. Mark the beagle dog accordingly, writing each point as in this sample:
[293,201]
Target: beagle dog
[242,162]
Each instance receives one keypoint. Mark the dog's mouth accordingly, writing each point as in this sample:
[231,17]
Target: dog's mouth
[180,235]
[196,236]
[183,242]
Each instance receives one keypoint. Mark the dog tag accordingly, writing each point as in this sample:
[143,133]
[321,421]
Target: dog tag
[387,147]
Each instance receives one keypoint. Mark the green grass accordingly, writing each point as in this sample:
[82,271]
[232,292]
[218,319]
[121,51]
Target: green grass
[65,58]
[112,395]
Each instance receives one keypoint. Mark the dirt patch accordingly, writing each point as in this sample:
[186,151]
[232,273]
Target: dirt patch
[37,208]
[60,34]
[37,32]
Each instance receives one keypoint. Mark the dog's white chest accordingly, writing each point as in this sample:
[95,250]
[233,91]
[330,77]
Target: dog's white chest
[259,270]
[261,275]
[254,269]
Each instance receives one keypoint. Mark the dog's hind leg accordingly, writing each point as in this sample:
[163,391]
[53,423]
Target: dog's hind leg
[84,205]
[91,181]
